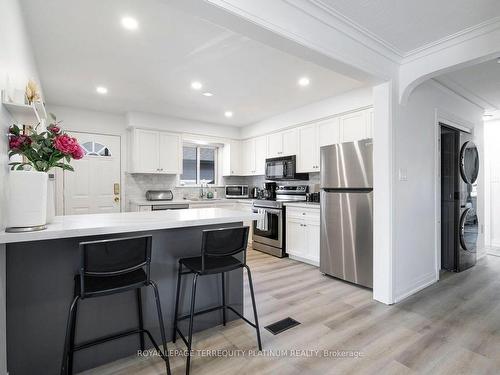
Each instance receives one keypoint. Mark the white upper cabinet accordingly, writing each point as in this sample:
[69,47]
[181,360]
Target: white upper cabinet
[274,145]
[290,142]
[170,153]
[282,143]
[354,126]
[254,156]
[260,156]
[329,132]
[155,152]
[248,159]
[231,159]
[308,155]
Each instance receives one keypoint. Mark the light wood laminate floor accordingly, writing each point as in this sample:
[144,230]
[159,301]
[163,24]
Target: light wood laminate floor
[452,327]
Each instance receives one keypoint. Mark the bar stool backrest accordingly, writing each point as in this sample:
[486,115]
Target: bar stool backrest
[106,258]
[224,242]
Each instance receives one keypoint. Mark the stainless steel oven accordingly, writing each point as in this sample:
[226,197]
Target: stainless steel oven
[270,238]
[236,191]
[269,233]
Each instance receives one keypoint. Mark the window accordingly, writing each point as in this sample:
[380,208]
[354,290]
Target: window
[199,165]
[95,149]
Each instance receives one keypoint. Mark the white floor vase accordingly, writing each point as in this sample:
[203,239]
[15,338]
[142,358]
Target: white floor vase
[27,201]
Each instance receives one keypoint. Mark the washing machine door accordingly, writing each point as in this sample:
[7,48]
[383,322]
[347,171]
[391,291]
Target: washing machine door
[469,230]
[469,162]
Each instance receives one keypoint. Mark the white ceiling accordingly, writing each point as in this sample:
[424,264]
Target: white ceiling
[480,83]
[407,25]
[81,44]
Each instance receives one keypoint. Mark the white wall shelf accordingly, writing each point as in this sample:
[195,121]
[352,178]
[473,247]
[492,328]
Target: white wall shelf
[25,114]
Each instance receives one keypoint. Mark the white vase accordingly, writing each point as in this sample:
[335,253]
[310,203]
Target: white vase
[27,199]
[51,197]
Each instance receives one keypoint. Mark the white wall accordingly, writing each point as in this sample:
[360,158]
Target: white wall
[17,63]
[415,262]
[492,185]
[351,100]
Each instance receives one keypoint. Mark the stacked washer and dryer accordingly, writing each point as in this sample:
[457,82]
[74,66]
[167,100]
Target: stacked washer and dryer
[459,219]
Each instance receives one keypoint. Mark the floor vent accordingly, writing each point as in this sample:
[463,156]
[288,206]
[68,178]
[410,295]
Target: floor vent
[282,325]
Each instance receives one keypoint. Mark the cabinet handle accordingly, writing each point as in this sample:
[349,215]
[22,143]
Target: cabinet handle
[303,213]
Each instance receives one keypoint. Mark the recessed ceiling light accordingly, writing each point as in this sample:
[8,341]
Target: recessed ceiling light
[228,114]
[101,90]
[195,85]
[207,94]
[304,81]
[130,23]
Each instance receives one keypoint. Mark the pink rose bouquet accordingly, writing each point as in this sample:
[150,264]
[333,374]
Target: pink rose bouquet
[50,149]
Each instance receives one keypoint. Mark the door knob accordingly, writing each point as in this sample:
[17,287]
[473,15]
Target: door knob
[117,199]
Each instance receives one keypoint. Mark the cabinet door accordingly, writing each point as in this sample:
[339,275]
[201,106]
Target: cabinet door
[308,155]
[170,150]
[260,156]
[248,159]
[274,145]
[353,126]
[313,239]
[231,159]
[290,142]
[295,238]
[329,132]
[146,151]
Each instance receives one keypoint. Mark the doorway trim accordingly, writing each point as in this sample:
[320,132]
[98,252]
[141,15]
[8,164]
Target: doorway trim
[455,122]
[59,190]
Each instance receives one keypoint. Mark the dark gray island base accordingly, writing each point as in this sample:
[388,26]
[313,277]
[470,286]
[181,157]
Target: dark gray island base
[40,290]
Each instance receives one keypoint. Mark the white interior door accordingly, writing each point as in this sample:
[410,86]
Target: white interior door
[94,186]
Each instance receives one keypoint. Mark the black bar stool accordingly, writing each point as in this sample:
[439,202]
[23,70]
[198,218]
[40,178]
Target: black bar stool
[217,256]
[109,267]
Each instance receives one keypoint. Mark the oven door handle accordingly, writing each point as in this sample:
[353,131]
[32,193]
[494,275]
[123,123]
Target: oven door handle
[269,211]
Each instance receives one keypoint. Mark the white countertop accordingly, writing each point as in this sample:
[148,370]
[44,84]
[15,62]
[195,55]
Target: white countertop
[303,204]
[144,202]
[98,224]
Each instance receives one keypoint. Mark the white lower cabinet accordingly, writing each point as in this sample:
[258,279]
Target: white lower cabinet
[302,234]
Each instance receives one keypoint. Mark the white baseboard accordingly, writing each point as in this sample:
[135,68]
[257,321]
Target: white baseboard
[421,283]
[304,260]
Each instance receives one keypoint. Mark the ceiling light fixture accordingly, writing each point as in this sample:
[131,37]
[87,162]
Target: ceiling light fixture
[130,23]
[101,90]
[228,114]
[207,94]
[487,116]
[195,85]
[304,81]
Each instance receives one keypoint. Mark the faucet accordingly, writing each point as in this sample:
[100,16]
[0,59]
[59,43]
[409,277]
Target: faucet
[202,191]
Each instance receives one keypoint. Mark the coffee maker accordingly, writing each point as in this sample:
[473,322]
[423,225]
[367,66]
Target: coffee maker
[269,190]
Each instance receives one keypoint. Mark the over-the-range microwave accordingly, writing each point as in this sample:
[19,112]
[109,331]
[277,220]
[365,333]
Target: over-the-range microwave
[283,168]
[236,191]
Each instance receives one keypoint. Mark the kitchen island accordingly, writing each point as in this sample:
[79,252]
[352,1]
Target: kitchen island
[37,270]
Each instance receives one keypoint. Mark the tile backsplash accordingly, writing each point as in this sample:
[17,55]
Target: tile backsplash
[136,185]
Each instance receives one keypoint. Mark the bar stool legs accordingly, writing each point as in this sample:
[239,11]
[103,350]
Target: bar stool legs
[162,327]
[223,299]
[69,342]
[257,328]
[139,314]
[177,293]
[191,317]
[67,365]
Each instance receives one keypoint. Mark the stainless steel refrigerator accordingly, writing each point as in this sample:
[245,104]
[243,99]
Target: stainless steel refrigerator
[346,249]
